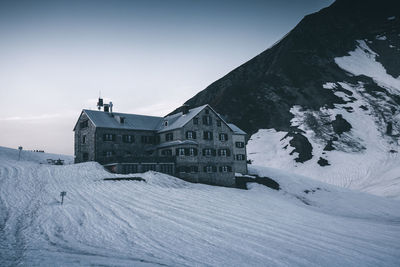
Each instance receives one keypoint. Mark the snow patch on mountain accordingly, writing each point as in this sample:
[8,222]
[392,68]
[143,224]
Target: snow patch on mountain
[362,61]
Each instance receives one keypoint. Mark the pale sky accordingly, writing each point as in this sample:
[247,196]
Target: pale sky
[148,57]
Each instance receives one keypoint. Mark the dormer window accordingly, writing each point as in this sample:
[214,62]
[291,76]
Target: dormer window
[165,123]
[121,119]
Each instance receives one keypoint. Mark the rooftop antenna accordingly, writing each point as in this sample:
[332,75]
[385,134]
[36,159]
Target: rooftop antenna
[100,101]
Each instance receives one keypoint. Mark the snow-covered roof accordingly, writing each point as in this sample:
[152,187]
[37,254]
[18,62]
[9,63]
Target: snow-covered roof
[235,129]
[103,119]
[131,121]
[179,119]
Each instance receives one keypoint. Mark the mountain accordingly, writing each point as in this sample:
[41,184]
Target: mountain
[326,97]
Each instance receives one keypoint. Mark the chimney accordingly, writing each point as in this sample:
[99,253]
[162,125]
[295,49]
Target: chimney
[185,109]
[99,103]
[111,106]
[106,108]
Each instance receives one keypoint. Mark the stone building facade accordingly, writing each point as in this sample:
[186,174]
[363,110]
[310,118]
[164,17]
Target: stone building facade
[196,144]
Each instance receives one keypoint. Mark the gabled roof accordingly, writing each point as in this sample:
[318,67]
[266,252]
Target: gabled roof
[235,129]
[179,119]
[103,119]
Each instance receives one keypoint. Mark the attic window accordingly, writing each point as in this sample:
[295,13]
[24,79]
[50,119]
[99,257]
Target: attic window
[165,123]
[207,111]
[122,119]
[84,124]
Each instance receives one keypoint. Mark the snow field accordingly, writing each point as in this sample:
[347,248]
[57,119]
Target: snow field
[166,221]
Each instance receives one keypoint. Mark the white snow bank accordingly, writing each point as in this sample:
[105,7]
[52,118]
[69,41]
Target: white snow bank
[12,154]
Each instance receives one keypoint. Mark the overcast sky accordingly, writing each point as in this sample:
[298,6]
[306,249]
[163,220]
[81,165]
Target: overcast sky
[148,57]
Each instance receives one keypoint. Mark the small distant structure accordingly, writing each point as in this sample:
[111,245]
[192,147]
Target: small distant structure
[55,161]
[19,152]
[62,195]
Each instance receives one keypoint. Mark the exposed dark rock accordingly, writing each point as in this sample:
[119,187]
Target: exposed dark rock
[340,125]
[363,107]
[302,146]
[348,109]
[241,182]
[329,146]
[323,162]
[389,128]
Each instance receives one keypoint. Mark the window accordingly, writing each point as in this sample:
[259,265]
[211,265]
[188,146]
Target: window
[209,152]
[190,135]
[194,169]
[240,157]
[207,135]
[109,137]
[84,139]
[207,111]
[165,123]
[169,137]
[181,151]
[219,123]
[239,144]
[225,169]
[108,154]
[195,121]
[223,137]
[127,154]
[207,120]
[147,139]
[166,152]
[84,124]
[122,120]
[210,169]
[224,152]
[191,152]
[128,138]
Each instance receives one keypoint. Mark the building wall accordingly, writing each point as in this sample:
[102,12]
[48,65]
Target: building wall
[89,145]
[201,160]
[119,149]
[240,165]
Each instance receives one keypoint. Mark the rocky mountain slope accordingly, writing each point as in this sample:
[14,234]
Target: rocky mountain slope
[328,93]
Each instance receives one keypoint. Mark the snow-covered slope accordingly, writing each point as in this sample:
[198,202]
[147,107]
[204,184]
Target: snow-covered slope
[166,221]
[363,152]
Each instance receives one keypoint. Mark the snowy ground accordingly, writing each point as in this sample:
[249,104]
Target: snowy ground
[167,221]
